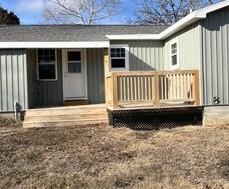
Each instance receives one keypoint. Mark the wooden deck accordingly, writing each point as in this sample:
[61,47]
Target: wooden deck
[66,116]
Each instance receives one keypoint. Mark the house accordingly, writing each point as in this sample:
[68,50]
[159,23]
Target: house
[43,65]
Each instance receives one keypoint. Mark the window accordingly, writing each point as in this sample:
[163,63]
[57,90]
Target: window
[119,57]
[174,55]
[74,62]
[46,59]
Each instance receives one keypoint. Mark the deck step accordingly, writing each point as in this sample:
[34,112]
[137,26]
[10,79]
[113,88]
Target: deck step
[65,116]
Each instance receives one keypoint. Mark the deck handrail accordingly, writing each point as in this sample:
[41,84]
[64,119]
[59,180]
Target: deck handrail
[152,88]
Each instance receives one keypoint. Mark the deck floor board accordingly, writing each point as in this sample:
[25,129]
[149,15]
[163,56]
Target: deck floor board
[66,116]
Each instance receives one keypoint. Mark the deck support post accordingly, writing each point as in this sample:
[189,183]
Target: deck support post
[115,90]
[106,70]
[196,88]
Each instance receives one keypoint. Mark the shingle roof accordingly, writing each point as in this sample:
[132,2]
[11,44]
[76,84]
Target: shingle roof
[58,33]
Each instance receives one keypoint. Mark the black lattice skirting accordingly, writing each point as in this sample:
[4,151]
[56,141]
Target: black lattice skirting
[156,118]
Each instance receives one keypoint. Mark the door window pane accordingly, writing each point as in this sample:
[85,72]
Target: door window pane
[74,56]
[74,67]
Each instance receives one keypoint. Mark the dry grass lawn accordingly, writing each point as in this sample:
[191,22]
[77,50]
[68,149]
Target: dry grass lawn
[104,157]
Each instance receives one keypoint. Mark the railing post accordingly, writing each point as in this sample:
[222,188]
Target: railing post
[115,90]
[196,88]
[156,90]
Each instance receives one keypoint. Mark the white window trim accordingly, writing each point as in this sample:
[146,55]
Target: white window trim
[177,66]
[126,47]
[38,78]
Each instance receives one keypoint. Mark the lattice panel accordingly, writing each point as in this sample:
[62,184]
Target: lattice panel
[147,119]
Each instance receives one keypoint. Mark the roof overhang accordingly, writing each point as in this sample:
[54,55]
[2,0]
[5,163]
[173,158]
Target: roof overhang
[84,44]
[191,18]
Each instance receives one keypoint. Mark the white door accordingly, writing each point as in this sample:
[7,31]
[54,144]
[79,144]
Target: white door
[74,75]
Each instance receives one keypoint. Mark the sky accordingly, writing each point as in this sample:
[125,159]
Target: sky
[31,11]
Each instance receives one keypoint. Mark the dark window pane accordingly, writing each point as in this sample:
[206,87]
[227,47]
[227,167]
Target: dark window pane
[46,56]
[46,59]
[174,60]
[40,52]
[113,54]
[40,59]
[46,52]
[174,46]
[122,50]
[52,58]
[52,52]
[47,72]
[174,51]
[118,55]
[74,56]
[123,54]
[74,68]
[118,63]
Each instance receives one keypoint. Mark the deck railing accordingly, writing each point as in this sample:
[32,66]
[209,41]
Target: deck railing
[154,88]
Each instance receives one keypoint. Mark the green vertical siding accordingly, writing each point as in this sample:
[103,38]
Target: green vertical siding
[44,93]
[95,76]
[189,49]
[215,66]
[13,80]
[50,93]
[144,55]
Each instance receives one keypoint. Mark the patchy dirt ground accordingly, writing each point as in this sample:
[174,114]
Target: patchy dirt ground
[103,157]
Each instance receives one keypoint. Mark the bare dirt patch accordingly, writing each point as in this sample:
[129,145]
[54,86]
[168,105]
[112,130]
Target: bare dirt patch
[103,157]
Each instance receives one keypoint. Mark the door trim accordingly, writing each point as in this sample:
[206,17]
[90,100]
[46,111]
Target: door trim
[64,59]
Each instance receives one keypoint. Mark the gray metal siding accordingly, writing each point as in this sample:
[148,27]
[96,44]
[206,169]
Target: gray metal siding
[13,80]
[95,76]
[215,68]
[50,93]
[144,55]
[44,93]
[189,49]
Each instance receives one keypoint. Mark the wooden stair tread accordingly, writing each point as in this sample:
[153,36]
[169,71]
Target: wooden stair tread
[65,116]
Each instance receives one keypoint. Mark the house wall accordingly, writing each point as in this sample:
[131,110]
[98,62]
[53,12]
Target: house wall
[43,93]
[215,66]
[95,76]
[13,79]
[145,54]
[50,93]
[189,49]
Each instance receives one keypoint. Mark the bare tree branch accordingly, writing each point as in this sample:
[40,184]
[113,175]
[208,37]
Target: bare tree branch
[168,11]
[80,11]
